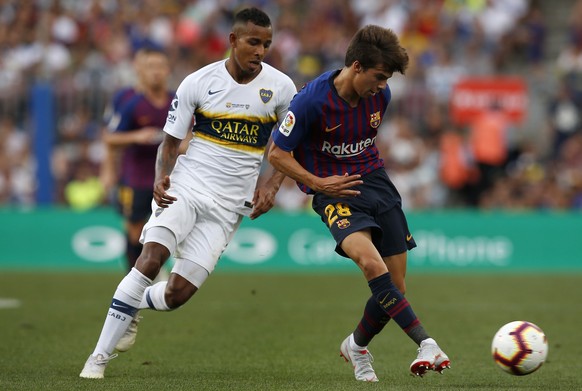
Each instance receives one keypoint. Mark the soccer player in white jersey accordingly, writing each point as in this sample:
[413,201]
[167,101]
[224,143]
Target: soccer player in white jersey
[201,197]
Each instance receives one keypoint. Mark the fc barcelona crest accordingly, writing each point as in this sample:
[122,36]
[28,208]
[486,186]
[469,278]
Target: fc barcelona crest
[375,119]
[266,95]
[343,223]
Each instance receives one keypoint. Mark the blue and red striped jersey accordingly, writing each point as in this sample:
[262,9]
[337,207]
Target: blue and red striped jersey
[139,160]
[327,136]
[113,109]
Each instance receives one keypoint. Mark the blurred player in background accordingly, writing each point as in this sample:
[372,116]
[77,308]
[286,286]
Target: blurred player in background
[201,197]
[134,136]
[109,174]
[327,144]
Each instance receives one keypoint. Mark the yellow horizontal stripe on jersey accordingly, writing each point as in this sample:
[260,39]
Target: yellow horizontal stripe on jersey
[237,116]
[229,144]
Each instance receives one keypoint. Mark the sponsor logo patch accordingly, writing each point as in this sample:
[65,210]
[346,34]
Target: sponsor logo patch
[288,124]
[174,104]
[347,150]
[230,105]
[173,107]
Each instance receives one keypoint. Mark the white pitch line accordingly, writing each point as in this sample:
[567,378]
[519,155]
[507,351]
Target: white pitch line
[9,303]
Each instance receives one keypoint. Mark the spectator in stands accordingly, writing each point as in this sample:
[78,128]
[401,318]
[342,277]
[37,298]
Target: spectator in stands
[456,168]
[443,74]
[17,182]
[564,115]
[488,142]
[84,191]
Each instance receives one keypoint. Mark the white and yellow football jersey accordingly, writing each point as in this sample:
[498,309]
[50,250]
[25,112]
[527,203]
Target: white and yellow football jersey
[232,125]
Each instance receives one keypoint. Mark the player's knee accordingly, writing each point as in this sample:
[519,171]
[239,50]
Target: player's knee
[175,300]
[372,268]
[151,259]
[178,292]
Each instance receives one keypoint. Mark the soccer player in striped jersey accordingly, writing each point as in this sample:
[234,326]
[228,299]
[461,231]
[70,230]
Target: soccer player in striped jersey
[133,133]
[327,144]
[201,196]
[136,136]
[109,167]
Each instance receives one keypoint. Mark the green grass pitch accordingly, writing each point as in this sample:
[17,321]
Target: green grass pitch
[282,332]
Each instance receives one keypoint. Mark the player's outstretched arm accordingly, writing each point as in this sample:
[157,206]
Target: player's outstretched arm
[165,161]
[146,135]
[264,197]
[267,187]
[334,186]
[338,185]
[109,168]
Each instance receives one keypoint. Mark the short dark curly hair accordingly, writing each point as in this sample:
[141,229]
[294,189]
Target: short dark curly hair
[253,15]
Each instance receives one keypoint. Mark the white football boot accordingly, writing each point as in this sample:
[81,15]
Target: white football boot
[95,366]
[127,340]
[430,357]
[361,360]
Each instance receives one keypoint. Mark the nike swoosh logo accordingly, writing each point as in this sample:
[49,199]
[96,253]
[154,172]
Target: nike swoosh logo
[210,92]
[384,299]
[408,237]
[332,129]
[116,305]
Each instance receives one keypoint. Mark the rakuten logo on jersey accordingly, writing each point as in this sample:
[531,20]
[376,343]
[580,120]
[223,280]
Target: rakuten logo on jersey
[347,150]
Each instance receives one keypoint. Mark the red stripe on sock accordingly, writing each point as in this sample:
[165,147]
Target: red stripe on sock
[364,331]
[394,311]
[414,323]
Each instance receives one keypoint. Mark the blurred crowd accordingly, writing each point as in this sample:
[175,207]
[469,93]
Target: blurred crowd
[84,50]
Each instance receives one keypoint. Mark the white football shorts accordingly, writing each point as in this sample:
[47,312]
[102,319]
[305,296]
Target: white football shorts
[201,226]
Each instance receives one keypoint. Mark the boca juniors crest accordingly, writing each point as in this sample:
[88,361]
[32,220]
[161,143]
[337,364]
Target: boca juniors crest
[375,119]
[266,95]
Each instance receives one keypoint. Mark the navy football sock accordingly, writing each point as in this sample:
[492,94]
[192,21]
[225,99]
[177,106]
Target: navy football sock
[373,321]
[397,307]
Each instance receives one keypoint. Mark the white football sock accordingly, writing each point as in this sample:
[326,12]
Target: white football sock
[125,302]
[154,297]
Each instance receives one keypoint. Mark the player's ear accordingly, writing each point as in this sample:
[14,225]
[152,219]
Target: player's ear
[232,39]
[357,66]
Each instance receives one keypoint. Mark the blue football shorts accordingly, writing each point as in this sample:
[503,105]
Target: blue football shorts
[378,207]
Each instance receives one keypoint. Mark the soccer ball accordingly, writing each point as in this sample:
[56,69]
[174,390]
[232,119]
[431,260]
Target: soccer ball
[519,348]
